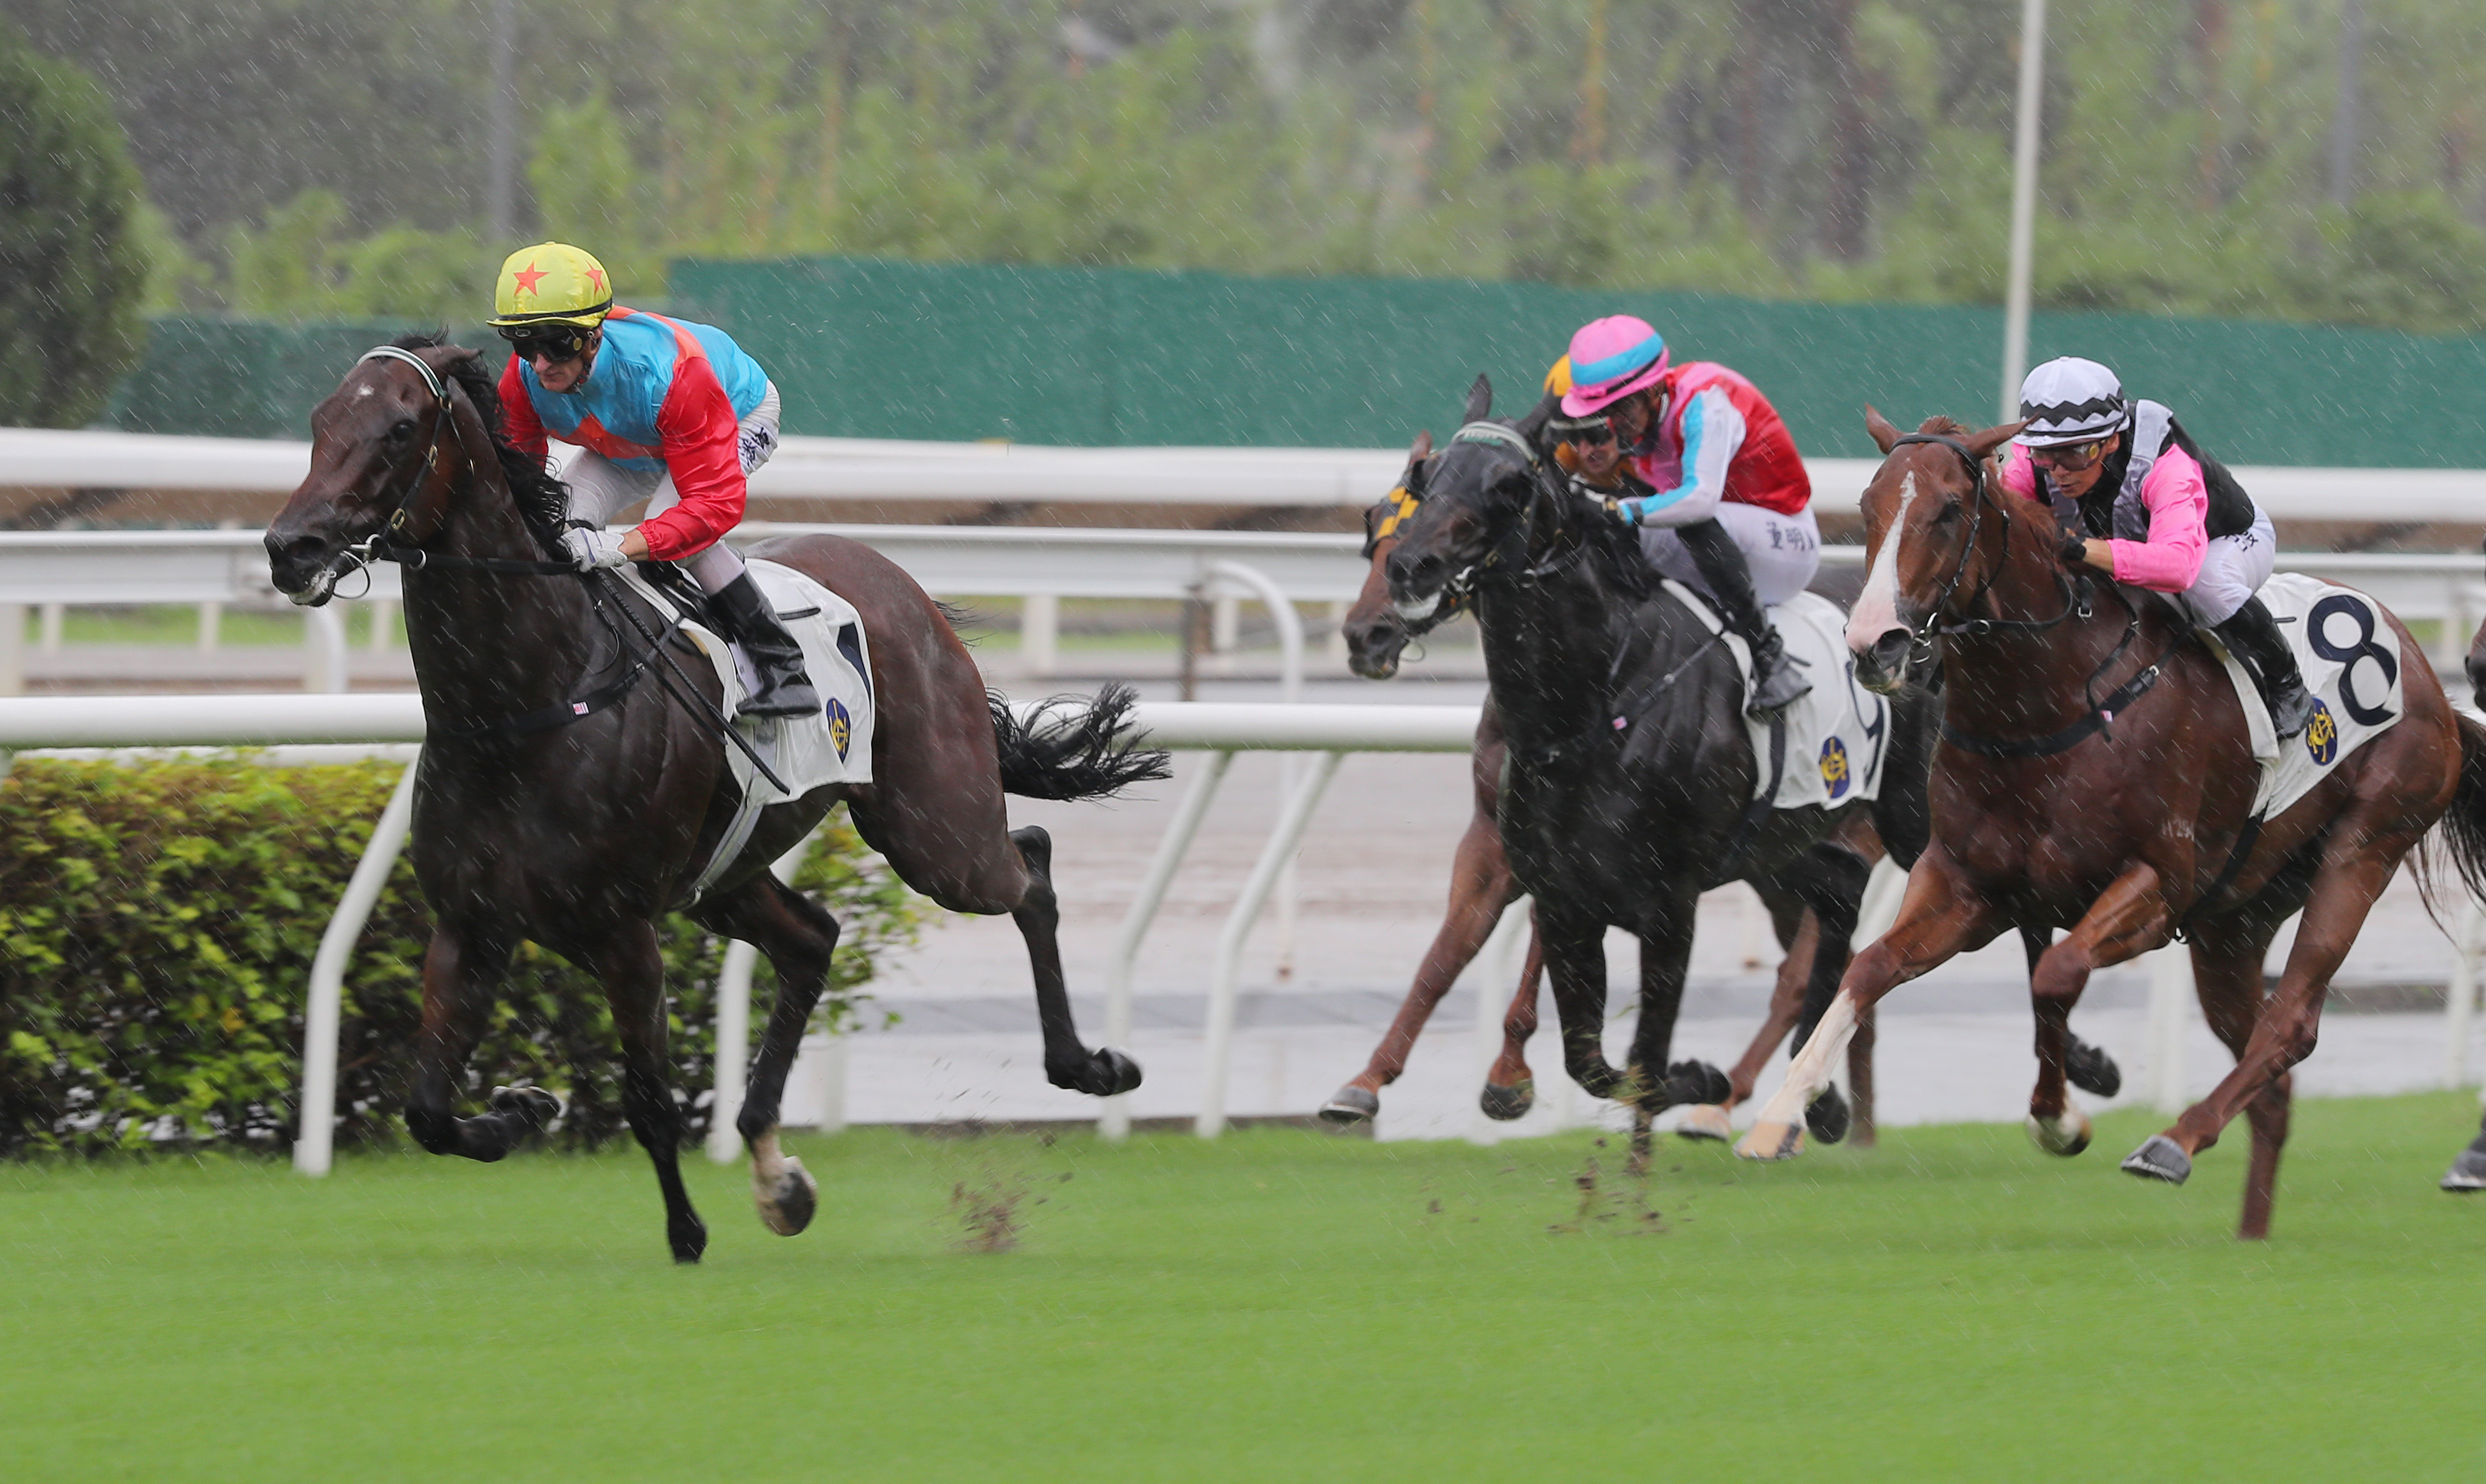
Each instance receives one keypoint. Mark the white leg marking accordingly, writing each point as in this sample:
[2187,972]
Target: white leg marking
[1877,607]
[1813,1066]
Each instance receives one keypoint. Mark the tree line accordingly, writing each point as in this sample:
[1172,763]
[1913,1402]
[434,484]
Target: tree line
[2266,158]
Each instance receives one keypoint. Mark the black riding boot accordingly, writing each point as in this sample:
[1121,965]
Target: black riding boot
[1776,682]
[2253,636]
[748,620]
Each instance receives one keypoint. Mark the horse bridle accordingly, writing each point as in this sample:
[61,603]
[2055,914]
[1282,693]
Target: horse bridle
[2077,595]
[1509,555]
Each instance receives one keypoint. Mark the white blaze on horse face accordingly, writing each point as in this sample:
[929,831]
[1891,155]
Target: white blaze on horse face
[1877,607]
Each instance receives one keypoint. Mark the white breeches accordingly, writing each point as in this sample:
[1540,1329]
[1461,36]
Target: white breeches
[2233,568]
[600,490]
[1783,551]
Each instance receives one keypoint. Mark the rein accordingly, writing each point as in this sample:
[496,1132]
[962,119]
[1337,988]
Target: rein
[2078,603]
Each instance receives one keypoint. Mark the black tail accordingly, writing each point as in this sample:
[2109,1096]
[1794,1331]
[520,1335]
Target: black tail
[2463,824]
[1071,748]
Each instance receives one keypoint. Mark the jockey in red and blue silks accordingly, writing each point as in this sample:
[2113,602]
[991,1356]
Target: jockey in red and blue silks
[667,411]
[1696,458]
[2142,503]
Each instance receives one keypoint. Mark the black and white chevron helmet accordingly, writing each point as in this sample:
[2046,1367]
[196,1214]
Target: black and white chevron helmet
[2070,400]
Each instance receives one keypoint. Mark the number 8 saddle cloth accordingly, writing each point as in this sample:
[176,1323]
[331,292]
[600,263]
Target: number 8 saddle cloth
[2351,659]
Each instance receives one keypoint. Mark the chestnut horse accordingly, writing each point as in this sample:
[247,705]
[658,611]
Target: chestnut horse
[570,790]
[2095,774]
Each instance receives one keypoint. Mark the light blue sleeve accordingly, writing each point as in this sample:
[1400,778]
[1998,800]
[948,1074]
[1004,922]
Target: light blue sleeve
[1713,434]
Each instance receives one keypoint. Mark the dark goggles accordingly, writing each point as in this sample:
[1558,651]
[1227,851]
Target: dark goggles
[2070,457]
[549,343]
[1584,432]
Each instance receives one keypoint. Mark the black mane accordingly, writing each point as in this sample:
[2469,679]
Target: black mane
[543,502]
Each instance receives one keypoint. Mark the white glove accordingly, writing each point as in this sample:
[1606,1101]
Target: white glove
[591,547]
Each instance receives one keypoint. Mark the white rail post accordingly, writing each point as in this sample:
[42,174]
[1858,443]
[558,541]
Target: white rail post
[1039,633]
[212,626]
[1497,969]
[1218,1042]
[1113,1116]
[51,620]
[324,650]
[383,624]
[1290,690]
[2170,994]
[323,1013]
[2460,994]
[734,1026]
[12,648]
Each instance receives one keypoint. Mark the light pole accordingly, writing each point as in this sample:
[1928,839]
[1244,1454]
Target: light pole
[2023,202]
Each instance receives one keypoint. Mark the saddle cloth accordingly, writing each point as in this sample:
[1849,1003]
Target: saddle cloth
[2351,662]
[1837,733]
[831,746]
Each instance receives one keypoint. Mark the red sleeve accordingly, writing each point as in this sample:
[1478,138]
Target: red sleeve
[518,420]
[701,442]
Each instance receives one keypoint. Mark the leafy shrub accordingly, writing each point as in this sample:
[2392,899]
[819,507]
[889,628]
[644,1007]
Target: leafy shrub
[157,923]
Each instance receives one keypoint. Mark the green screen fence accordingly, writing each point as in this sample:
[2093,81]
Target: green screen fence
[870,348]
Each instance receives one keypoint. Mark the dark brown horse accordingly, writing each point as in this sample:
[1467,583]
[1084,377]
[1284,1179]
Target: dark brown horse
[570,787]
[2096,775]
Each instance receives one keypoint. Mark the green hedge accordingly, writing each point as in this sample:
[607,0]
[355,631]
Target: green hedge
[158,922]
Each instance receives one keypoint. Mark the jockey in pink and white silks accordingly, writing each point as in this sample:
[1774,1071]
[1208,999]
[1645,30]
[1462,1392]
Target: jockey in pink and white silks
[1697,459]
[2140,502]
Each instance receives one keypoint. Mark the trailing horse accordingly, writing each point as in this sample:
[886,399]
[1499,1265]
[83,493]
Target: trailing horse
[2096,774]
[571,786]
[1600,831]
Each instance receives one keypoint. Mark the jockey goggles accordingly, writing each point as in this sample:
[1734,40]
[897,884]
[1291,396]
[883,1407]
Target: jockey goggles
[2069,458]
[555,342]
[1581,433]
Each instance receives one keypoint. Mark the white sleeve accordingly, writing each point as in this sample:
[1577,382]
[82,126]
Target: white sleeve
[1713,434]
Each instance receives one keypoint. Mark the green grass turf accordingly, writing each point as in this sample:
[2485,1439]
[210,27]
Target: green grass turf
[1279,1306]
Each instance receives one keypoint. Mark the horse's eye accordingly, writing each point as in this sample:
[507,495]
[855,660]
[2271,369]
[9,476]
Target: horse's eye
[1947,515]
[401,429]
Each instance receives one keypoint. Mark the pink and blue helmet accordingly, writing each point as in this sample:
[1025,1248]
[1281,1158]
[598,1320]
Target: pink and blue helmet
[1610,359]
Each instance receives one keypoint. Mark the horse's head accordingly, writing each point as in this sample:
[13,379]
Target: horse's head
[384,448]
[1924,512]
[1485,494]
[1376,632]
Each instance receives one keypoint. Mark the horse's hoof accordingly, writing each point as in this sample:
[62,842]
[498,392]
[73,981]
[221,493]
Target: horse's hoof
[1705,1120]
[1827,1116]
[789,1208]
[2468,1173]
[533,1107]
[1696,1082]
[688,1238]
[1506,1104]
[1351,1104]
[1106,1073]
[2066,1135]
[2091,1070]
[2160,1158]
[1771,1142]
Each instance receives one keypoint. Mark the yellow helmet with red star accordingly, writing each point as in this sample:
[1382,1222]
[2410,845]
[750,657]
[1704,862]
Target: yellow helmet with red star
[551,282]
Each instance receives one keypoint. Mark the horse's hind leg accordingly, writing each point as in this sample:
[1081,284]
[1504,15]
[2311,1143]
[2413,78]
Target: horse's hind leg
[1067,1060]
[632,971]
[1510,1087]
[461,970]
[2226,973]
[799,936]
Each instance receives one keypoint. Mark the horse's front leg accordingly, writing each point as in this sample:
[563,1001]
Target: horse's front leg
[2128,919]
[1510,1087]
[1940,917]
[628,964]
[460,971]
[1665,953]
[1574,946]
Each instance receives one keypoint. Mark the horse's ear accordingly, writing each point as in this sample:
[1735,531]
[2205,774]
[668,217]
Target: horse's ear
[1533,427]
[1479,398]
[1986,442]
[1885,436]
[1421,449]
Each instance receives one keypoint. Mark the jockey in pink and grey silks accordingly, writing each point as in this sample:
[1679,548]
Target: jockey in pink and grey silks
[1703,466]
[2140,502]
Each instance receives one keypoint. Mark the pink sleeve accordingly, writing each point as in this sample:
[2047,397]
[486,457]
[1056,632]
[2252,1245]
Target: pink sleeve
[2018,477]
[2179,505]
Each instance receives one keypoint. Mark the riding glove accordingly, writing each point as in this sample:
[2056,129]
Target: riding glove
[1627,511]
[591,547]
[2075,550]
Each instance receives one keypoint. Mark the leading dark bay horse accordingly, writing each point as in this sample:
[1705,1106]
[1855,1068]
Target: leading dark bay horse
[2096,775]
[1607,825]
[570,790]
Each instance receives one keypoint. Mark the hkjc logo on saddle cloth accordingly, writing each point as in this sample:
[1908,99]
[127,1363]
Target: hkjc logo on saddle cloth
[2351,661]
[1835,775]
